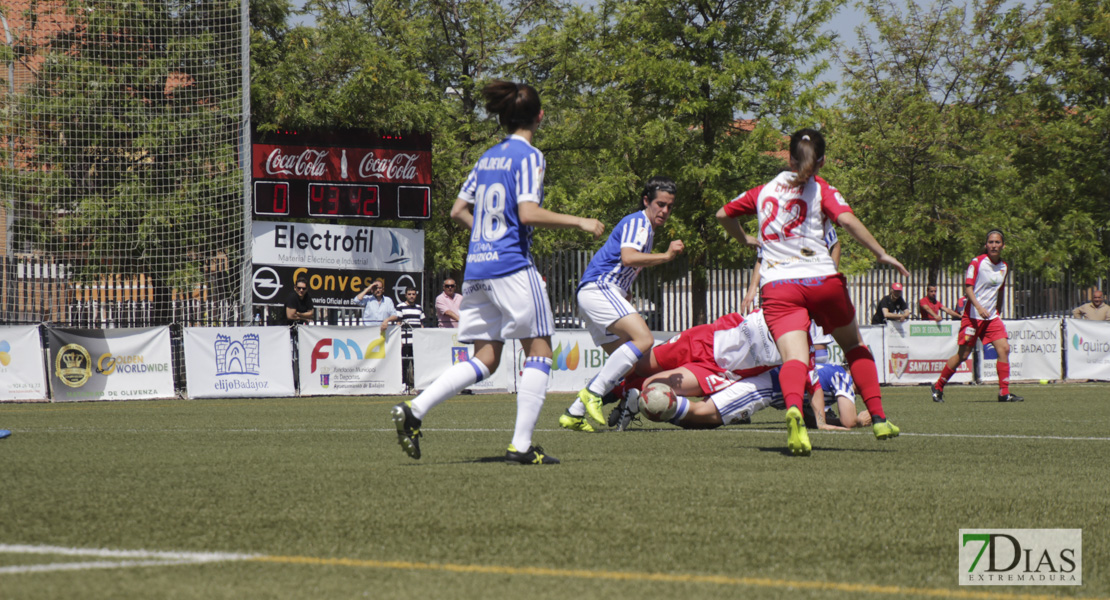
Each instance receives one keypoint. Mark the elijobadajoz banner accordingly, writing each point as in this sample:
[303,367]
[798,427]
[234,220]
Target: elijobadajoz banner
[238,362]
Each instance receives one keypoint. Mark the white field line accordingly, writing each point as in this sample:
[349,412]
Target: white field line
[131,558]
[661,430]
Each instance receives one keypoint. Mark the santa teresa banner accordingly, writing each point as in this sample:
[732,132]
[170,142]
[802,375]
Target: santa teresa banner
[238,362]
[110,364]
[349,361]
[21,376]
[917,351]
[1088,354]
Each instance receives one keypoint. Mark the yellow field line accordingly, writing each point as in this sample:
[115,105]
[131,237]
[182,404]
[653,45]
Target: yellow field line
[758,582]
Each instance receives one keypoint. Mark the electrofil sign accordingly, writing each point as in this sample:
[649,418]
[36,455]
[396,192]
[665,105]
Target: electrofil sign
[351,174]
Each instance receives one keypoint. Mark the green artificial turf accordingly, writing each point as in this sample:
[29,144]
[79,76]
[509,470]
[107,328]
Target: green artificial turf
[319,491]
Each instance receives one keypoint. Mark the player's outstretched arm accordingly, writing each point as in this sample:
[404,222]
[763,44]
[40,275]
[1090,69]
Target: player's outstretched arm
[753,289]
[630,257]
[534,215]
[859,231]
[463,213]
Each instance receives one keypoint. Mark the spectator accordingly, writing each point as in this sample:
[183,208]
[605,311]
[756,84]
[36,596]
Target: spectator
[1094,310]
[299,308]
[411,315]
[931,308]
[892,307]
[447,305]
[377,308]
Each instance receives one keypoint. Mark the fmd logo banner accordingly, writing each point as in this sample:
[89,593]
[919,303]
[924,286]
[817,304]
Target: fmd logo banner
[1021,557]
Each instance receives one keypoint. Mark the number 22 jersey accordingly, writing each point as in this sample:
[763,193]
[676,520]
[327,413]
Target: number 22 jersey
[792,225]
[507,174]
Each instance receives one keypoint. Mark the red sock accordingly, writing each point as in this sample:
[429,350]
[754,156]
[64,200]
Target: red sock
[792,380]
[945,374]
[862,365]
[1003,378]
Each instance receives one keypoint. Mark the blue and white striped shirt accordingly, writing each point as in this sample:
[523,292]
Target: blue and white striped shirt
[507,174]
[634,231]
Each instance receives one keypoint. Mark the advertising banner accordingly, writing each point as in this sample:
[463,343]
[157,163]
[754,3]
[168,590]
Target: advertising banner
[1088,353]
[575,359]
[339,261]
[328,288]
[110,364]
[916,352]
[21,375]
[435,350]
[347,247]
[349,361]
[1035,352]
[238,362]
[873,339]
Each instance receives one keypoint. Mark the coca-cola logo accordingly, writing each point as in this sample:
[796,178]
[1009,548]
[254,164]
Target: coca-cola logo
[399,166]
[309,163]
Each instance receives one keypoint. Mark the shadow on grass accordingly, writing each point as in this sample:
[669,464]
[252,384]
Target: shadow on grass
[786,451]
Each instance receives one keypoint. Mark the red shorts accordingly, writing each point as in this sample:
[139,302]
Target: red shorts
[693,350]
[789,304]
[988,331]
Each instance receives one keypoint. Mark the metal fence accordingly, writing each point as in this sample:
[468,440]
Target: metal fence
[37,289]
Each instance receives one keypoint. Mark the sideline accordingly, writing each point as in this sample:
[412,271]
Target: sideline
[146,558]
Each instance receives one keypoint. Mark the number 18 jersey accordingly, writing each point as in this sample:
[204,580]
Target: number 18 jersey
[507,174]
[792,223]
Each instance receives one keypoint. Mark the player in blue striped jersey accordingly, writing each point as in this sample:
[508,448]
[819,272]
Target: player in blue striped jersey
[504,296]
[603,297]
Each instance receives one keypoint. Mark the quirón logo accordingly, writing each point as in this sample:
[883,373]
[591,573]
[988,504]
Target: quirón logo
[5,353]
[1089,346]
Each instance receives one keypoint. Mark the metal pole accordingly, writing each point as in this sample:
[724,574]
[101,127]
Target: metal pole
[246,271]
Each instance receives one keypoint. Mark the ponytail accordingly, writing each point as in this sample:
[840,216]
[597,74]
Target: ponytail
[807,149]
[517,105]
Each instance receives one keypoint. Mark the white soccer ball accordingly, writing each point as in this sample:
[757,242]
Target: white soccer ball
[658,402]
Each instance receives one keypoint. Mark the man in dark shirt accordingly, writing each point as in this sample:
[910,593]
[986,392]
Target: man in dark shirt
[299,308]
[892,307]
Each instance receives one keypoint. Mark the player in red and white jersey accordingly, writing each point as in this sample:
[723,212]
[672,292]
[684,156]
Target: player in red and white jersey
[703,360]
[799,280]
[983,287]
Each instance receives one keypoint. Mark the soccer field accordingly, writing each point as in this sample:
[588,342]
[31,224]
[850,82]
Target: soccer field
[313,498]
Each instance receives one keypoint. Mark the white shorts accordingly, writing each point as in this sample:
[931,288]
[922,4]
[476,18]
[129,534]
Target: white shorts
[511,307]
[600,307]
[744,398]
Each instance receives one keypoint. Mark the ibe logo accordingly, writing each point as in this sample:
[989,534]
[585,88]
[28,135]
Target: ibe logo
[1021,557]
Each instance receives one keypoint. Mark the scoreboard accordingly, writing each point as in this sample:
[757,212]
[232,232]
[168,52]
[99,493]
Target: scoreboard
[354,174]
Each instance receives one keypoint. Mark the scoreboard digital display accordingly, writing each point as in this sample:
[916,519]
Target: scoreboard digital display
[348,174]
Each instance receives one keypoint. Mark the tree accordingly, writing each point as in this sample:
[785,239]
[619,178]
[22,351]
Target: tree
[129,140]
[1065,159]
[924,143]
[659,87]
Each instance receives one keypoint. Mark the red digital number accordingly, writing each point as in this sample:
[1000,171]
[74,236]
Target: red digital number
[281,199]
[795,206]
[370,204]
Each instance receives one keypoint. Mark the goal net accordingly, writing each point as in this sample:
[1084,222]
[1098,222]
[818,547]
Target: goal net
[120,180]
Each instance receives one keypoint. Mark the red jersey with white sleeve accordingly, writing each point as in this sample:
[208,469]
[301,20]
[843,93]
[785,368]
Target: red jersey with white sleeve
[987,280]
[792,224]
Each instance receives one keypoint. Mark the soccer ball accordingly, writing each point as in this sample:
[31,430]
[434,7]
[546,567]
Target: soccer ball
[658,402]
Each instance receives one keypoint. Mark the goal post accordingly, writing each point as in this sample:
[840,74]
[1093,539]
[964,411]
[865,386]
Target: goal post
[123,138]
